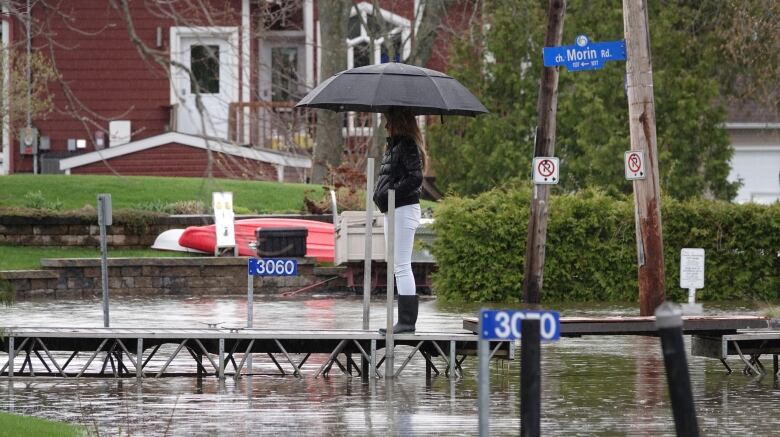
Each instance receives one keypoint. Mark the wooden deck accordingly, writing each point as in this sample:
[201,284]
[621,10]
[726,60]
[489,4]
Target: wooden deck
[579,326]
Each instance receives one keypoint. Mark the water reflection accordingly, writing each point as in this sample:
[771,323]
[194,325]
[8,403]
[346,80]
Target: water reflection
[591,385]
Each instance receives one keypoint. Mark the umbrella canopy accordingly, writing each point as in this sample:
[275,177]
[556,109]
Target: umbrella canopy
[378,88]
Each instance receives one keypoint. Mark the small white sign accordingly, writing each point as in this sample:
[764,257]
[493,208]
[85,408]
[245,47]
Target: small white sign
[546,170]
[634,162]
[223,219]
[692,268]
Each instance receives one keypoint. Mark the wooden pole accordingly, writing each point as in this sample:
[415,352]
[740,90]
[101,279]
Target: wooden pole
[543,146]
[647,194]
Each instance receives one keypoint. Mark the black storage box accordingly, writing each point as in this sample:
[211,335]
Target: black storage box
[281,242]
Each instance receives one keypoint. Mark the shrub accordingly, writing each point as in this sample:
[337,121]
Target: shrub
[36,200]
[591,247]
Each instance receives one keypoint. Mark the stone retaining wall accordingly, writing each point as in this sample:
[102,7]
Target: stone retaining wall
[80,231]
[75,278]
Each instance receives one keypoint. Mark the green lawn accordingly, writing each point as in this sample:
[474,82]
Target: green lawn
[13,425]
[28,257]
[75,192]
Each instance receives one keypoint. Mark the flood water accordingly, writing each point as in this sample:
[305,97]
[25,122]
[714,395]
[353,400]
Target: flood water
[594,385]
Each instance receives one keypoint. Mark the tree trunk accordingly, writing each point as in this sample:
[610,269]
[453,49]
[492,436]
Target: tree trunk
[334,16]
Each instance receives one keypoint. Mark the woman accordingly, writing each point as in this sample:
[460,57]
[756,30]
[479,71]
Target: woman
[402,171]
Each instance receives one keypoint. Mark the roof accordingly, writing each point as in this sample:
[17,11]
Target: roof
[215,145]
[747,114]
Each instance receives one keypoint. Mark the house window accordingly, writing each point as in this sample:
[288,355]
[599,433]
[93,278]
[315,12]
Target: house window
[284,73]
[374,36]
[204,64]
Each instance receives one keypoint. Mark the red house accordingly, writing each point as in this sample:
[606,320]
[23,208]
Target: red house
[184,88]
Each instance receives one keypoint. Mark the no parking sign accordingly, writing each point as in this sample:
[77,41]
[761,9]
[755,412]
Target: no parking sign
[546,170]
[634,161]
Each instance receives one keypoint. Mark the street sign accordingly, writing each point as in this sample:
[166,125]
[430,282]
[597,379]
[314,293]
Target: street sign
[546,170]
[634,162]
[584,54]
[505,324]
[272,267]
[692,268]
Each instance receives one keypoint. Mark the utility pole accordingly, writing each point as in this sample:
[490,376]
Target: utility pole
[544,146]
[647,194]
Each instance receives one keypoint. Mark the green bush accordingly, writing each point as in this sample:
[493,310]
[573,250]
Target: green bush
[591,247]
[36,200]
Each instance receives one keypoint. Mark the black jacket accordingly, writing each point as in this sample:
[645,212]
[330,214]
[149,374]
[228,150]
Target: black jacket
[401,170]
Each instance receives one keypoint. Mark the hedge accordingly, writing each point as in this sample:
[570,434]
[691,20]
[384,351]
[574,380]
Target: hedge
[591,248]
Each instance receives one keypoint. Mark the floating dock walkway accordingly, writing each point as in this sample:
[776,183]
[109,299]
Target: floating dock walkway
[221,352]
[122,352]
[748,337]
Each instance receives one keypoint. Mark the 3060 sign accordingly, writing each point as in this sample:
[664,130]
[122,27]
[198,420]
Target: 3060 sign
[505,324]
[273,267]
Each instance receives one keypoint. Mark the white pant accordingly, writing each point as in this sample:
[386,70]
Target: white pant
[407,219]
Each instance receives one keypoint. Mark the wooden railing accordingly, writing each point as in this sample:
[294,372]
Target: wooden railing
[273,125]
[281,126]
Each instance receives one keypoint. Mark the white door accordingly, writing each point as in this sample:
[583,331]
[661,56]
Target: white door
[204,88]
[282,68]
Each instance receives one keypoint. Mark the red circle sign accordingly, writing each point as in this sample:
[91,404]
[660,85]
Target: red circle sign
[634,162]
[546,167]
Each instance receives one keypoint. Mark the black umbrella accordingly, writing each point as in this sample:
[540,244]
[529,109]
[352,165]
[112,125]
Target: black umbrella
[378,88]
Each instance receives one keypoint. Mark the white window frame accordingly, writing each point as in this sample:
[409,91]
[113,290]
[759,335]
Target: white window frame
[5,157]
[400,25]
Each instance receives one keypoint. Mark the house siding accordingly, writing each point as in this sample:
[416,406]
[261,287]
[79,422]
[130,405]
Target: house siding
[177,160]
[107,75]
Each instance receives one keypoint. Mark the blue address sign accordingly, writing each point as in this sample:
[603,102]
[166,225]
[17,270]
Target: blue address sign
[584,54]
[273,267]
[505,324]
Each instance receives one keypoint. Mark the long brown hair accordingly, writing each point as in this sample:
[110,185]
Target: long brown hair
[403,122]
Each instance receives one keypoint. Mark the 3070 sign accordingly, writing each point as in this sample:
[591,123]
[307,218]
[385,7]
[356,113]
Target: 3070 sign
[273,267]
[505,324]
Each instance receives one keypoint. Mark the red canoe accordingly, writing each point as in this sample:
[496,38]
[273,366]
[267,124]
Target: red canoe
[319,242]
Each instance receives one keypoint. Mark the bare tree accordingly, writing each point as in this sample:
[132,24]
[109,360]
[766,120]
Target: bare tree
[334,18]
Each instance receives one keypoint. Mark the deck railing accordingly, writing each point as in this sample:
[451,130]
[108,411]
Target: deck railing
[281,126]
[273,125]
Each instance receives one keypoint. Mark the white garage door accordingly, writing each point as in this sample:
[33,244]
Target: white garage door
[759,170]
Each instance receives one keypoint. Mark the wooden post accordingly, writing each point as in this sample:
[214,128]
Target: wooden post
[647,194]
[544,146]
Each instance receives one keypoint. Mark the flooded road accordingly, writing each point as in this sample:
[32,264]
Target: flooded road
[591,385]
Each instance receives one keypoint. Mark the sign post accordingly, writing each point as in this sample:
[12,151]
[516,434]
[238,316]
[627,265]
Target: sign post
[105,218]
[692,277]
[544,145]
[508,325]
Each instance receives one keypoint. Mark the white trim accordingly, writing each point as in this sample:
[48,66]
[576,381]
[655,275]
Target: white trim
[246,63]
[769,148]
[319,53]
[246,53]
[213,145]
[5,165]
[366,8]
[752,125]
[308,30]
[419,10]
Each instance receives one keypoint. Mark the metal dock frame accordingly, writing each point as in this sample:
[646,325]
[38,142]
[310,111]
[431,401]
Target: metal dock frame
[112,350]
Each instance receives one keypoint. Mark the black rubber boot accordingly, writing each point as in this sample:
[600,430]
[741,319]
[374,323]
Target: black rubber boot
[407,314]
